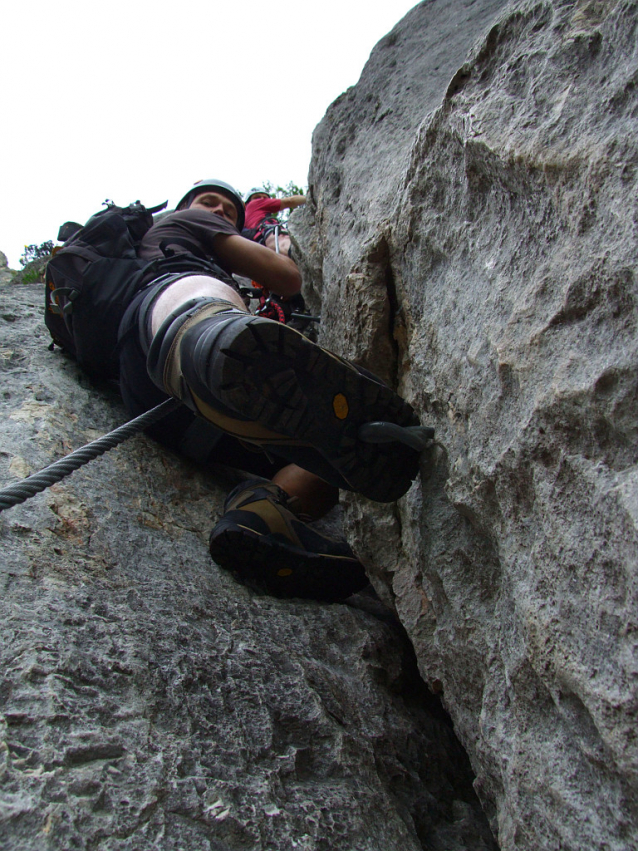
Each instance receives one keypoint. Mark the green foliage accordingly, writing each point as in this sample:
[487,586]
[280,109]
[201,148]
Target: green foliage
[31,276]
[36,252]
[32,273]
[290,189]
[282,191]
[34,262]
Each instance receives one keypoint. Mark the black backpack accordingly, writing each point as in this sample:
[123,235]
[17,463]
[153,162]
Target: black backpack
[90,281]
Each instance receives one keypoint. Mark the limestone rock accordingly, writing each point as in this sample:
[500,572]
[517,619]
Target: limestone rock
[5,272]
[471,236]
[147,701]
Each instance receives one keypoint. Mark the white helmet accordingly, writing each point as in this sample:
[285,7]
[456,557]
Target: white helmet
[256,190]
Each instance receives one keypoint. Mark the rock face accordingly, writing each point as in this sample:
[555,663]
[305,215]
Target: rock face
[6,274]
[147,701]
[472,237]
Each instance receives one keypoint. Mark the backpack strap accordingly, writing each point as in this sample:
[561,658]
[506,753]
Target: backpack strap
[157,209]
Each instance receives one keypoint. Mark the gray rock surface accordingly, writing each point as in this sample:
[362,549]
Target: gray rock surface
[147,701]
[5,272]
[472,236]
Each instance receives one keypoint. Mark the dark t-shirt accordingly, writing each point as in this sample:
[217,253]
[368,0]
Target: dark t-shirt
[186,232]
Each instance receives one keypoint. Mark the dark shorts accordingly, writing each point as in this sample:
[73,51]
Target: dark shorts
[182,431]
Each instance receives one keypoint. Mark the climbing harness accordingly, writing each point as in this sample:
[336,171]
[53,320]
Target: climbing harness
[21,491]
[279,308]
[266,227]
[271,308]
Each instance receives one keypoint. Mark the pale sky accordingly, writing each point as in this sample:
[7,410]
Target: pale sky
[140,98]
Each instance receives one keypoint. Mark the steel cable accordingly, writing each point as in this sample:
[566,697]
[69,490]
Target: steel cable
[21,491]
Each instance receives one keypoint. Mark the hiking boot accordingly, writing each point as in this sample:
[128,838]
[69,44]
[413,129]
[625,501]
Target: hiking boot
[263,542]
[265,383]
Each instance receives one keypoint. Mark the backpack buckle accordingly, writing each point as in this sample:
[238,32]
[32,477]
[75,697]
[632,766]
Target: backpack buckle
[62,293]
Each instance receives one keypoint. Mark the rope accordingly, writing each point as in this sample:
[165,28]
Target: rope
[21,491]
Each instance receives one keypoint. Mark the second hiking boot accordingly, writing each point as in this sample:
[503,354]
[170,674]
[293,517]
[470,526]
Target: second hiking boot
[264,543]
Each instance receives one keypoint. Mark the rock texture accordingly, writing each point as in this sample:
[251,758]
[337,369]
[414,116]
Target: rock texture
[472,237]
[147,701]
[6,274]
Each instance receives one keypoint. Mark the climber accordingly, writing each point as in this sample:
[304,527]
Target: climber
[261,223]
[264,227]
[251,383]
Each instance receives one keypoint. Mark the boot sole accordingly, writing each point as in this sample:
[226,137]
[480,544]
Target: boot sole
[273,375]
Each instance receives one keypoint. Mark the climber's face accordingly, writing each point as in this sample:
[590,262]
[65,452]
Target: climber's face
[215,202]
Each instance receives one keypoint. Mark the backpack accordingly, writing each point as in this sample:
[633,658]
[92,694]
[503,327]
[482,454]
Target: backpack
[91,279]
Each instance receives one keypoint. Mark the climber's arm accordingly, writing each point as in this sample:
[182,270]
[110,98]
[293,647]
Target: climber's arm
[276,272]
[292,201]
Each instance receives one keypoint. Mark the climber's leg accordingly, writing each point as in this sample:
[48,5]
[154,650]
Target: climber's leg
[314,496]
[265,383]
[189,287]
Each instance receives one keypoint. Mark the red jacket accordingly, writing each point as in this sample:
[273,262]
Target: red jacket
[260,209]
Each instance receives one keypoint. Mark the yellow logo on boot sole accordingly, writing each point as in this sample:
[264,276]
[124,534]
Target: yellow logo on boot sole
[340,406]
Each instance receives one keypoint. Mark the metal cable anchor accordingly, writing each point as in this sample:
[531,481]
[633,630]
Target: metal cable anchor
[416,437]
